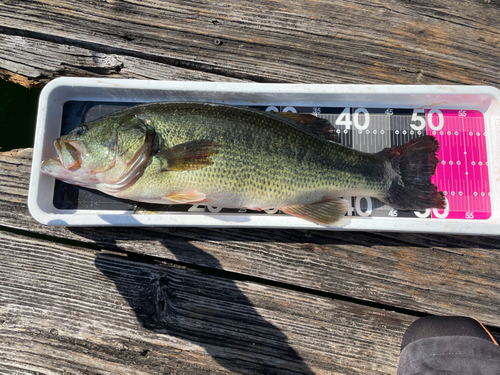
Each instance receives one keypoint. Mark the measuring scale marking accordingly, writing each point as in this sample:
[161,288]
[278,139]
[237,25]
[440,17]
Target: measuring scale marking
[462,173]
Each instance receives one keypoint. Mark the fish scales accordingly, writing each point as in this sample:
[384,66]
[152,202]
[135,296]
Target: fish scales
[262,161]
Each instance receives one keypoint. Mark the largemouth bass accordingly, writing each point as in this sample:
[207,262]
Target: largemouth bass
[226,156]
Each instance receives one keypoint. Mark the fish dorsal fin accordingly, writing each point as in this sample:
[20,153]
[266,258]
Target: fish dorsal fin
[188,156]
[325,212]
[317,125]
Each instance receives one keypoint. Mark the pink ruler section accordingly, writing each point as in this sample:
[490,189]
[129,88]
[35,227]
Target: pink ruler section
[462,173]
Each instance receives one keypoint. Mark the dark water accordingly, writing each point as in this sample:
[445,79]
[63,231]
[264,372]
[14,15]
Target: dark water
[18,108]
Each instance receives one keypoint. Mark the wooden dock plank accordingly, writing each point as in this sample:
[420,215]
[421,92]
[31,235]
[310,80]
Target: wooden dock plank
[324,41]
[427,274]
[68,309]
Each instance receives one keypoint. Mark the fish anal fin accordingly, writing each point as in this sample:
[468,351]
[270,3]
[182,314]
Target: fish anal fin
[187,197]
[317,125]
[325,212]
[188,156]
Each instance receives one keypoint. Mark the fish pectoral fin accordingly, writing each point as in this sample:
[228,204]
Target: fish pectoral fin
[317,125]
[189,197]
[188,156]
[325,212]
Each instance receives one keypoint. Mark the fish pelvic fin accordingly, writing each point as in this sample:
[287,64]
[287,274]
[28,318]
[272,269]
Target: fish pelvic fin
[187,197]
[409,169]
[325,212]
[188,156]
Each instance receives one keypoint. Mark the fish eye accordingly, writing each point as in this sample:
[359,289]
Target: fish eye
[82,129]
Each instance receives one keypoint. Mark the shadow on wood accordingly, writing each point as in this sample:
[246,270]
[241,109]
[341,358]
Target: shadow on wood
[207,312]
[411,271]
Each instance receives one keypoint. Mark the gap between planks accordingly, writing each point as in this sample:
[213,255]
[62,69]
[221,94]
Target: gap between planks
[74,309]
[152,260]
[289,41]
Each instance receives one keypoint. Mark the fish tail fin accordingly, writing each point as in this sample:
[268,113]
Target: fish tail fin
[409,168]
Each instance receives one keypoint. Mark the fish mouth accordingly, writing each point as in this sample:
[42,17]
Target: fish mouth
[49,164]
[69,153]
[67,166]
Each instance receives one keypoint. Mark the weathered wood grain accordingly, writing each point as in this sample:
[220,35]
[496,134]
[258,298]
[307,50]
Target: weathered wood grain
[28,57]
[435,274]
[66,309]
[321,41]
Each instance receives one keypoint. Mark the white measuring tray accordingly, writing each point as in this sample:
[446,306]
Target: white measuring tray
[465,120]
